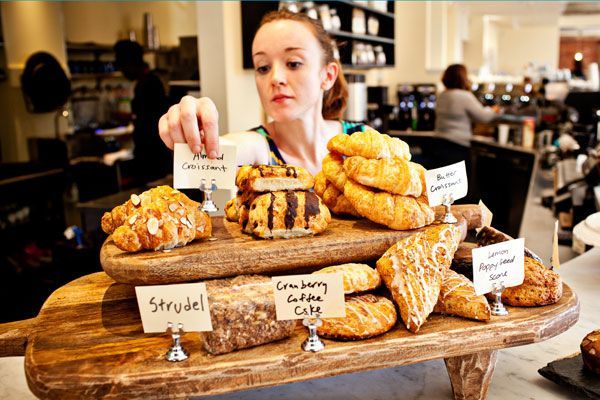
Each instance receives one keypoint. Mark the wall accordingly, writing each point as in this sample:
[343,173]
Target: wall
[107,22]
[519,45]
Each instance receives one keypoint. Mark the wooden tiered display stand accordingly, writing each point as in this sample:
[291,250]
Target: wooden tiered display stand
[88,342]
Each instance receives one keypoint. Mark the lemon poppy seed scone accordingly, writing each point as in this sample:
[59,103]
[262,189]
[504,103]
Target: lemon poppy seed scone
[333,169]
[160,225]
[357,278]
[271,178]
[590,351]
[369,144]
[392,210]
[367,315]
[393,175]
[457,297]
[413,270]
[333,198]
[287,214]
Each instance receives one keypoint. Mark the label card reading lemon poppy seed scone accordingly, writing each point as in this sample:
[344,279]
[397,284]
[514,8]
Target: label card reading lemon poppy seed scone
[185,303]
[301,296]
[498,264]
[189,169]
[449,180]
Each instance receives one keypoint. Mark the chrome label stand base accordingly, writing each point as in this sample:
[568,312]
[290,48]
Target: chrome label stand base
[176,352]
[208,205]
[312,343]
[497,306]
[449,218]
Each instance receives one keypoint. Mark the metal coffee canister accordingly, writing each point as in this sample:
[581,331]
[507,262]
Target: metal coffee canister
[357,98]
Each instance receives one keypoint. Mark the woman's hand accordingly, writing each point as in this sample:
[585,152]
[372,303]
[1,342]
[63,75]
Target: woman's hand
[192,121]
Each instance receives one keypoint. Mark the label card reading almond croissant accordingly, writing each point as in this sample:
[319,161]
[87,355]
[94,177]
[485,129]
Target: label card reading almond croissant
[185,303]
[301,296]
[498,264]
[446,181]
[189,169]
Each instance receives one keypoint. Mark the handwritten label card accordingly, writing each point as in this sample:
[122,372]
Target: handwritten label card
[301,296]
[498,264]
[487,215]
[189,169]
[186,303]
[449,180]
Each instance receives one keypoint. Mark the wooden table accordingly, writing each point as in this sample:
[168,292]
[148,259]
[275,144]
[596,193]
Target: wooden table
[87,342]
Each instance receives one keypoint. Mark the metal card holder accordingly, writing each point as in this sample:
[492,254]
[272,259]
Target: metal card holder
[176,352]
[313,343]
[208,205]
[497,306]
[449,218]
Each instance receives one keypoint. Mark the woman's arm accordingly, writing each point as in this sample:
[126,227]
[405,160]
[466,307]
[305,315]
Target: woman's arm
[476,111]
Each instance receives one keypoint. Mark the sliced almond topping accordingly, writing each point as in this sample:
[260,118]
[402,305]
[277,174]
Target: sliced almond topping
[132,219]
[135,200]
[592,351]
[200,229]
[185,221]
[146,200]
[172,207]
[181,211]
[180,203]
[166,198]
[152,226]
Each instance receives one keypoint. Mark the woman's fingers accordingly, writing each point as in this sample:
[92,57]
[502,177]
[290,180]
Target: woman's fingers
[189,123]
[209,124]
[174,124]
[163,131]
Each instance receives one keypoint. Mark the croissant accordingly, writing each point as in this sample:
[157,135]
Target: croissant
[413,270]
[369,144]
[393,210]
[121,213]
[393,175]
[270,178]
[160,225]
[333,198]
[287,214]
[457,297]
[333,169]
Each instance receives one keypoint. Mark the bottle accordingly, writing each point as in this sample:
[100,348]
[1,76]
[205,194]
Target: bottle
[336,24]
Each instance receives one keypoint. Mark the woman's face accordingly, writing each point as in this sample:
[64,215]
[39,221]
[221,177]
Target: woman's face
[289,71]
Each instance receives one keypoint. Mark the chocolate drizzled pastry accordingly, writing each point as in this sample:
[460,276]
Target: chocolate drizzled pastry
[270,178]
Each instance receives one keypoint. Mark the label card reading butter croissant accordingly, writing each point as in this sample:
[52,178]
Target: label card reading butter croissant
[189,169]
[498,264]
[184,303]
[301,296]
[450,180]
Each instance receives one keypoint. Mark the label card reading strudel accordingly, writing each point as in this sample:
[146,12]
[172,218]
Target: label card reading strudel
[450,180]
[498,264]
[189,169]
[185,303]
[301,296]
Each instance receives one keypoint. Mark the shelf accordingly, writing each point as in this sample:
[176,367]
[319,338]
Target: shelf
[97,75]
[355,36]
[366,66]
[367,8]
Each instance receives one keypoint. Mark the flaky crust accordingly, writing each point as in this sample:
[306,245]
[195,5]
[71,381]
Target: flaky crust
[457,297]
[159,226]
[540,287]
[333,198]
[590,351]
[121,213]
[232,209]
[357,277]
[393,175]
[392,210]
[287,214]
[413,270]
[369,144]
[333,169]
[269,178]
[367,315]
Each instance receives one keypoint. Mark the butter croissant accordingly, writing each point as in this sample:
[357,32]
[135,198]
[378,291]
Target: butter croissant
[369,144]
[393,210]
[333,198]
[393,175]
[333,169]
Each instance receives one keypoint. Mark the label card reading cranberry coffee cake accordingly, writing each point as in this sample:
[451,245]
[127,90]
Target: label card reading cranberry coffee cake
[498,264]
[450,180]
[301,296]
[185,303]
[189,169]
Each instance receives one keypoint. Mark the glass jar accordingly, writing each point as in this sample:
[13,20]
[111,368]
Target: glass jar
[291,6]
[370,54]
[373,25]
[310,10]
[336,24]
[325,17]
[380,58]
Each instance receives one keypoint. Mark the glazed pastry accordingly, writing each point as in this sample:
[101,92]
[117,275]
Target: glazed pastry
[367,315]
[457,297]
[333,198]
[287,214]
[540,287]
[160,225]
[120,214]
[357,277]
[232,209]
[270,178]
[333,169]
[590,351]
[392,210]
[393,175]
[369,144]
[413,270]
[488,235]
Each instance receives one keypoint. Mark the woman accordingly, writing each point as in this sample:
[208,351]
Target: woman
[457,107]
[301,88]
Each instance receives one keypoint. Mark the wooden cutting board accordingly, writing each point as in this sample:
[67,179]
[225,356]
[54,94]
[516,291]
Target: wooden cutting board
[234,253]
[87,342]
